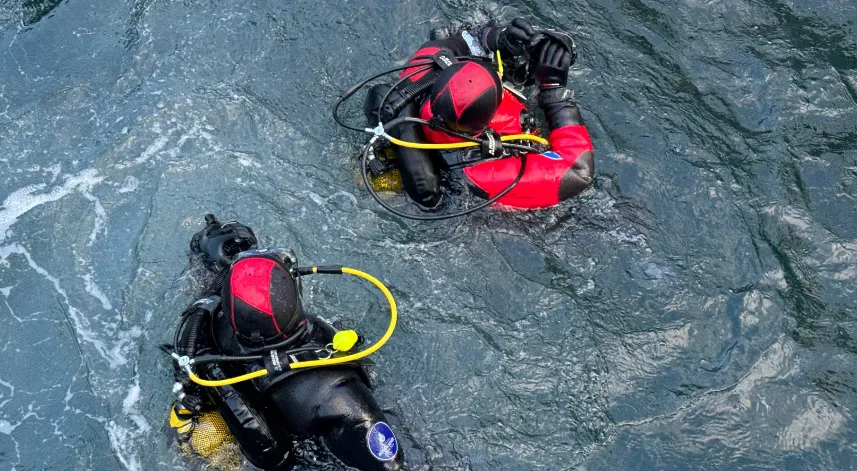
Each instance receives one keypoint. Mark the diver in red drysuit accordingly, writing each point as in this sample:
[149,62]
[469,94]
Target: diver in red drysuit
[468,96]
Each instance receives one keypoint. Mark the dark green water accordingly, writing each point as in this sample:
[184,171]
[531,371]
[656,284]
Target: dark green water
[695,310]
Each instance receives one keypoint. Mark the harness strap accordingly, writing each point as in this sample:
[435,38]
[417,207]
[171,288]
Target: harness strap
[442,59]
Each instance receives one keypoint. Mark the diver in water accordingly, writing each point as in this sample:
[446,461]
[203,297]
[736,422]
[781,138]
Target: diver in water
[451,95]
[250,359]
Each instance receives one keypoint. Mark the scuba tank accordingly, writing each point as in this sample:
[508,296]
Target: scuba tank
[204,418]
[259,443]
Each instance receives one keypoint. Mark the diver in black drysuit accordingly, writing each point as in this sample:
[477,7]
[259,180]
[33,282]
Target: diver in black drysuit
[253,307]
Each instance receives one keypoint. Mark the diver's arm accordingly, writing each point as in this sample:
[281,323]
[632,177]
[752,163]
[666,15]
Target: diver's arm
[419,175]
[336,404]
[559,108]
[192,336]
[483,40]
[511,40]
[568,136]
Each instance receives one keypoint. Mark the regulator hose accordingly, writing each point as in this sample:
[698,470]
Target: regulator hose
[353,90]
[364,170]
[381,131]
[186,361]
[193,318]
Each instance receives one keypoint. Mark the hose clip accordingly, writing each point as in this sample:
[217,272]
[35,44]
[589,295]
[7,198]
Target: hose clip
[330,351]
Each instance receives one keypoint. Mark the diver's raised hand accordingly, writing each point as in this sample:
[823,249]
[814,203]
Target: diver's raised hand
[553,59]
[512,40]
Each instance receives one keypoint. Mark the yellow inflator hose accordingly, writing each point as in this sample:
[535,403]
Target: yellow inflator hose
[460,145]
[225,382]
[322,362]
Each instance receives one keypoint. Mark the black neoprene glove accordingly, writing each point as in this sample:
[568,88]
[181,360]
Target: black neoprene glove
[512,40]
[553,59]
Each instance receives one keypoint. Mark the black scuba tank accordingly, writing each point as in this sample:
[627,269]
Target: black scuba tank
[266,447]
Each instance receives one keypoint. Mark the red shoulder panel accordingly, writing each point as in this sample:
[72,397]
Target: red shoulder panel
[426,51]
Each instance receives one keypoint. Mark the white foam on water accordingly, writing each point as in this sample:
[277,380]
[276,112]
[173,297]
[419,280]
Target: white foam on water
[54,170]
[129,406]
[315,197]
[11,311]
[68,394]
[194,130]
[6,292]
[82,327]
[7,427]
[122,438]
[347,195]
[4,396]
[248,162]
[120,441]
[100,217]
[129,185]
[8,385]
[21,201]
[96,292]
[149,152]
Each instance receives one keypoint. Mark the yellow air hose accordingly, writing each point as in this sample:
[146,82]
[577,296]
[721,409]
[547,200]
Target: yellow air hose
[323,362]
[499,63]
[460,145]
[373,348]
[225,382]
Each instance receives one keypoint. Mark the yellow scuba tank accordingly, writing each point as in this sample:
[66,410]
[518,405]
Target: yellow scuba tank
[207,437]
[386,176]
[390,180]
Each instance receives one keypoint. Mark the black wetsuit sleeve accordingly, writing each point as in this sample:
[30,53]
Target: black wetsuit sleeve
[569,138]
[559,108]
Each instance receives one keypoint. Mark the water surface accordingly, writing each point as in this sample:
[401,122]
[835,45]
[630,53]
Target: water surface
[695,310]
